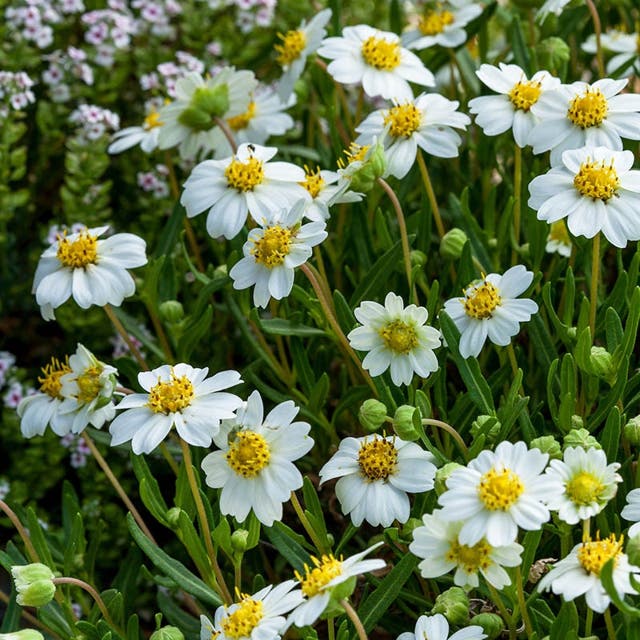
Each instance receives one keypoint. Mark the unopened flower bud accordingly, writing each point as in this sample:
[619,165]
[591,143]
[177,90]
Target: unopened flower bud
[487,425]
[547,444]
[417,258]
[239,540]
[173,517]
[167,633]
[407,422]
[492,624]
[602,364]
[452,243]
[453,604]
[372,414]
[632,431]
[633,550]
[442,475]
[171,311]
[577,422]
[23,634]
[580,438]
[207,103]
[552,53]
[363,173]
[34,584]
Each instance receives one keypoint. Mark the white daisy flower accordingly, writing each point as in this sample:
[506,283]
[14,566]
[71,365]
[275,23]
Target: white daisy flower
[146,135]
[396,338]
[318,582]
[325,188]
[437,541]
[375,475]
[180,396]
[491,308]
[273,251]
[624,45]
[443,24]
[254,466]
[586,483]
[579,573]
[92,271]
[595,189]
[558,240]
[436,627]
[511,109]
[425,122]
[631,511]
[376,60]
[498,492]
[581,114]
[245,182]
[551,6]
[297,45]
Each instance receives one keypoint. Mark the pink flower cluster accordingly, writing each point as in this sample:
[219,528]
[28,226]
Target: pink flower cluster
[94,121]
[154,182]
[33,20]
[109,30]
[168,73]
[15,91]
[155,16]
[64,68]
[79,449]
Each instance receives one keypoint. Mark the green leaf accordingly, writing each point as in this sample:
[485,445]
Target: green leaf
[566,625]
[52,615]
[36,533]
[610,437]
[74,548]
[149,489]
[133,628]
[288,543]
[282,327]
[518,46]
[189,537]
[344,315]
[606,577]
[178,617]
[11,615]
[194,330]
[318,395]
[613,329]
[169,235]
[375,281]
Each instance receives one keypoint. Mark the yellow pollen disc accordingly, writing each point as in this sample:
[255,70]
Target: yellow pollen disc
[273,247]
[78,253]
[313,181]
[171,396]
[480,303]
[377,459]
[470,559]
[597,180]
[594,554]
[403,120]
[239,122]
[498,490]
[589,109]
[434,22]
[152,120]
[355,153]
[559,233]
[381,54]
[584,488]
[248,454]
[524,95]
[89,384]
[399,337]
[50,380]
[244,176]
[293,44]
[325,570]
[243,620]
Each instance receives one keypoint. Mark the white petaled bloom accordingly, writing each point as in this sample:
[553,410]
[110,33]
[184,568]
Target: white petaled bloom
[596,190]
[325,188]
[437,541]
[273,251]
[581,114]
[624,45]
[375,475]
[146,135]
[511,109]
[631,511]
[585,481]
[425,122]
[558,240]
[397,338]
[91,271]
[254,465]
[243,183]
[496,493]
[491,308]
[180,396]
[296,46]
[376,60]
[319,581]
[551,6]
[443,25]
[579,573]
[436,627]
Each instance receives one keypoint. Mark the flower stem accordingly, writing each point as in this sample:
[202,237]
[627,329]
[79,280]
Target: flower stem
[451,431]
[522,602]
[597,28]
[228,134]
[431,194]
[611,631]
[586,526]
[125,336]
[304,521]
[353,616]
[15,521]
[588,623]
[517,196]
[595,277]
[497,600]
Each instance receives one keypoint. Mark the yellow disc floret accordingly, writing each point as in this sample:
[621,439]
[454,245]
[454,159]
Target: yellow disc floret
[434,22]
[78,253]
[594,554]
[243,620]
[355,153]
[273,247]
[499,489]
[313,181]
[559,232]
[152,120]
[173,395]
[248,454]
[380,53]
[589,109]
[584,488]
[481,301]
[597,180]
[377,459]
[50,378]
[314,580]
[470,559]
[89,384]
[524,95]
[403,120]
[399,337]
[241,121]
[293,44]
[244,176]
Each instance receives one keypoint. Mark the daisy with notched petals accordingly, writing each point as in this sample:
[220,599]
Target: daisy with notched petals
[376,60]
[375,475]
[631,511]
[91,271]
[595,189]
[436,627]
[491,309]
[180,396]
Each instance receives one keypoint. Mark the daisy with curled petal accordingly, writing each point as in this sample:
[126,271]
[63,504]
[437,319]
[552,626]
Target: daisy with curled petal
[146,135]
[325,188]
[511,109]
[631,511]
[426,122]
[254,466]
[396,338]
[91,271]
[437,541]
[375,59]
[436,627]
[496,493]
[595,189]
[180,396]
[375,475]
[490,308]
[244,182]
[273,251]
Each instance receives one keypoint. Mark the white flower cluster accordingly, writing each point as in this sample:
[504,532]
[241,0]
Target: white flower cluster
[155,16]
[15,91]
[66,66]
[33,20]
[109,30]
[93,122]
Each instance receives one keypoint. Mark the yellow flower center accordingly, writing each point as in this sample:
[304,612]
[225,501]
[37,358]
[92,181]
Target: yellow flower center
[403,120]
[273,247]
[470,559]
[589,109]
[244,176]
[480,302]
[50,380]
[243,620]
[313,181]
[584,488]
[524,95]
[434,22]
[293,44]
[317,578]
[242,121]
[559,233]
[89,384]
[377,459]
[248,454]
[171,396]
[594,554]
[380,53]
[399,336]
[78,253]
[499,489]
[355,153]
[152,120]
[597,181]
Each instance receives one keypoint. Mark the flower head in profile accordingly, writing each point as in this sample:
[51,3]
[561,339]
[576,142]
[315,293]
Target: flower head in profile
[375,473]
[180,396]
[325,188]
[145,135]
[626,62]
[631,511]
[436,627]
[558,239]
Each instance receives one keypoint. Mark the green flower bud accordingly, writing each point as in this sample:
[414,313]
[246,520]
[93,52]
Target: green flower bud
[487,425]
[34,584]
[442,475]
[239,540]
[417,258]
[632,431]
[572,332]
[580,438]
[552,53]
[492,624]
[453,604]
[173,517]
[407,422]
[602,365]
[23,634]
[547,444]
[452,244]
[406,532]
[633,550]
[167,633]
[363,172]
[577,422]
[171,311]
[207,103]
[372,414]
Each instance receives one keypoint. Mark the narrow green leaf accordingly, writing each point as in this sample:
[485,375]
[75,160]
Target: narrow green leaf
[566,625]
[606,577]
[194,331]
[610,437]
[36,533]
[149,489]
[133,628]
[613,329]
[169,235]
[374,282]
[344,315]
[518,45]
[189,537]
[52,615]
[288,543]
[11,616]
[178,617]
[282,327]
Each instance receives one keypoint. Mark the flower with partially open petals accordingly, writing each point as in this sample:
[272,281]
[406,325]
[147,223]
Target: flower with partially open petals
[437,628]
